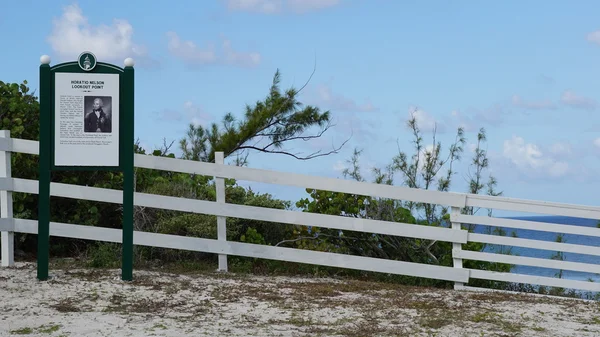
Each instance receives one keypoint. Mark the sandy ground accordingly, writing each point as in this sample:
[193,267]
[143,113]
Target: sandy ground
[98,303]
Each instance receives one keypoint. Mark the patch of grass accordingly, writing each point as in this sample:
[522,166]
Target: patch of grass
[187,267]
[92,275]
[335,288]
[22,331]
[49,329]
[423,305]
[323,290]
[119,304]
[65,263]
[434,322]
[497,320]
[319,330]
[269,296]
[300,321]
[65,305]
[93,296]
[592,321]
[151,282]
[159,326]
[146,306]
[227,294]
[487,317]
[499,297]
[366,327]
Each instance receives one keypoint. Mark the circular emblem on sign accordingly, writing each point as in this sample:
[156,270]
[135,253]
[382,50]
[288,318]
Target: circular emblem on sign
[87,61]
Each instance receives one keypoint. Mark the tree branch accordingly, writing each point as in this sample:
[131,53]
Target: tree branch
[297,239]
[297,156]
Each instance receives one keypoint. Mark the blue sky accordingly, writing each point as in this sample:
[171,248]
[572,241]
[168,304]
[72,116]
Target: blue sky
[526,71]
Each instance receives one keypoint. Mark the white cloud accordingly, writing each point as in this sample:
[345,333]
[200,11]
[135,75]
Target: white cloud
[325,97]
[577,101]
[350,118]
[456,119]
[530,160]
[425,121]
[72,34]
[189,52]
[303,6]
[594,37]
[493,115]
[518,101]
[231,56]
[562,150]
[196,115]
[189,113]
[459,119]
[359,128]
[192,54]
[475,118]
[280,6]
[558,169]
[256,6]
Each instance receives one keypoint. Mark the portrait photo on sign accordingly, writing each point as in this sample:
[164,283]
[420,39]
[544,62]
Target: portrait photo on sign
[97,114]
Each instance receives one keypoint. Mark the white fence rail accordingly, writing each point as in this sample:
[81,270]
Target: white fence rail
[456,235]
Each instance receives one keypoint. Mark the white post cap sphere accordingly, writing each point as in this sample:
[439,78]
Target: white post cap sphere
[129,62]
[45,59]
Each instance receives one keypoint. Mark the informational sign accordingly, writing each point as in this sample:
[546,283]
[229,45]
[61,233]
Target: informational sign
[82,129]
[86,119]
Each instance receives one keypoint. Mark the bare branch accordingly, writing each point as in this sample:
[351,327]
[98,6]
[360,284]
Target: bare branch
[297,239]
[164,150]
[297,155]
[310,77]
[305,138]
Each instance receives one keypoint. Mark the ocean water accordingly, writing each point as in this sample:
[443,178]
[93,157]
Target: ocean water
[548,236]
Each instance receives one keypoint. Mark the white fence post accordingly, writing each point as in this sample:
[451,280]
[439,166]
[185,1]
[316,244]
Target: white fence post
[457,262]
[221,220]
[7,239]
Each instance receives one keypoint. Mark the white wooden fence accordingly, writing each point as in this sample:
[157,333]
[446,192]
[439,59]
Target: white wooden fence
[456,235]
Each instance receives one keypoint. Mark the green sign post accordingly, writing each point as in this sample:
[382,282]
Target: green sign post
[86,124]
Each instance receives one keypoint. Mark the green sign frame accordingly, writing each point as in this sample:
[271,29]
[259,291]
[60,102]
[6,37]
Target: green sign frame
[73,88]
